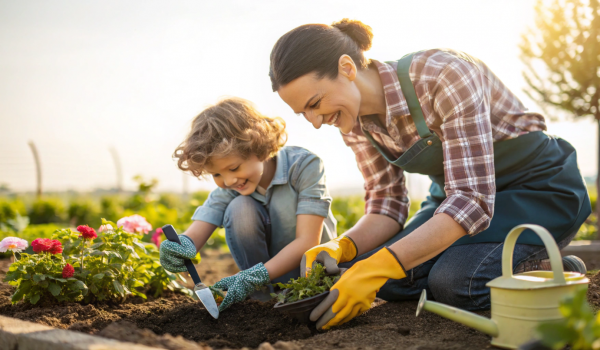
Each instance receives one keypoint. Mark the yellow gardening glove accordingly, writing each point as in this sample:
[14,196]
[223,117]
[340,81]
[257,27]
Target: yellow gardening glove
[330,254]
[354,292]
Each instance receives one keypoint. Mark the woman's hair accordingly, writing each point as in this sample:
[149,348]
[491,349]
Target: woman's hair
[232,126]
[318,48]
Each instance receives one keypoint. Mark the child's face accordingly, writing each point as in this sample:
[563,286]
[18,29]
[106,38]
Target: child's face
[235,173]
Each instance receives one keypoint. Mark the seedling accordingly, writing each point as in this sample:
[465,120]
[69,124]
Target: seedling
[315,283]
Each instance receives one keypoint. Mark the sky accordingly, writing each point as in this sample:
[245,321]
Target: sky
[80,77]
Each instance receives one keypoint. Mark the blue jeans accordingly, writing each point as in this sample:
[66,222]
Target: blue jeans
[458,275]
[248,235]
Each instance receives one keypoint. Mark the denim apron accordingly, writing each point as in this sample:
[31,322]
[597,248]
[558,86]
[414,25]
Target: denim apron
[537,179]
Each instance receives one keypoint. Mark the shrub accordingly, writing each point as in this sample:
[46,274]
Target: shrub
[9,209]
[111,267]
[47,210]
[111,207]
[82,211]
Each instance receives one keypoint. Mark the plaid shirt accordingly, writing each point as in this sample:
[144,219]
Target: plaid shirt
[469,109]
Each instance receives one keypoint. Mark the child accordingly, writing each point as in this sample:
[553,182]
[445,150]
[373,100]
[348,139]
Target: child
[272,200]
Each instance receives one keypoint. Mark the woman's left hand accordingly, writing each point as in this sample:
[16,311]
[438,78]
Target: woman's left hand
[354,292]
[242,284]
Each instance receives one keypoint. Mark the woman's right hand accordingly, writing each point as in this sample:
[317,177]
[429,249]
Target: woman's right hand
[172,255]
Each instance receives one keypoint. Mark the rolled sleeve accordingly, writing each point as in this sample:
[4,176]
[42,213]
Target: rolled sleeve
[313,197]
[385,184]
[463,105]
[213,209]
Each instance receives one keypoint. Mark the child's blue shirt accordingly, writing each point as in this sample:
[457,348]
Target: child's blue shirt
[298,187]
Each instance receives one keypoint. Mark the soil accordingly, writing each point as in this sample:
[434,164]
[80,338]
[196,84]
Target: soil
[179,323]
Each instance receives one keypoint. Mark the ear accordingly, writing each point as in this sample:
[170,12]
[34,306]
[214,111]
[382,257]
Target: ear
[346,67]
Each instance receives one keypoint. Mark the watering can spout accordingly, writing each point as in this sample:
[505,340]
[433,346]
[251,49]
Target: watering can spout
[470,319]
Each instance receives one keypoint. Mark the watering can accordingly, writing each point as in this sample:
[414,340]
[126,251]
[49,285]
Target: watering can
[519,302]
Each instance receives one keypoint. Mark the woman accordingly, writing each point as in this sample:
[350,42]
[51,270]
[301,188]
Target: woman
[444,114]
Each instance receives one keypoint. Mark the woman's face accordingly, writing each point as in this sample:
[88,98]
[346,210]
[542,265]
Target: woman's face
[325,101]
[235,173]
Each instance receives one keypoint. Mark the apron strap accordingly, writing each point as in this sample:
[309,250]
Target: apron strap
[408,90]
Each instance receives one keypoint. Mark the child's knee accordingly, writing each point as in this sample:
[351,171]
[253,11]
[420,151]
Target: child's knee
[242,214]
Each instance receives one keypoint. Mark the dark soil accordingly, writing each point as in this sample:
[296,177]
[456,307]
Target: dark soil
[179,323]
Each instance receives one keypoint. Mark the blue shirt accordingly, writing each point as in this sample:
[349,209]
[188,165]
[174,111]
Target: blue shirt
[298,187]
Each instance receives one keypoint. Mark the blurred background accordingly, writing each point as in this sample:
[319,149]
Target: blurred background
[102,92]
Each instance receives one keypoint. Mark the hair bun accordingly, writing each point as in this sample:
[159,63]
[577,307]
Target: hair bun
[359,32]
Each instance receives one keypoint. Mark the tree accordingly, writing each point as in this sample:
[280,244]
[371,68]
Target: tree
[562,59]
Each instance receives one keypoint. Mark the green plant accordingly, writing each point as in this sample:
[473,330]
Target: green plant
[42,275]
[10,209]
[580,328]
[111,267]
[315,283]
[84,210]
[47,210]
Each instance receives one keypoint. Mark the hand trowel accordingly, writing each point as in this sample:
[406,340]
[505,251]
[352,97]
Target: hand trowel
[201,290]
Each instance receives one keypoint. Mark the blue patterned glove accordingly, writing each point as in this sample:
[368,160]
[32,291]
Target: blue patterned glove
[242,284]
[172,254]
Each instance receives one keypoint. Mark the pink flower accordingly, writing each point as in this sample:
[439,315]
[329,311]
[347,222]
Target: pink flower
[105,228]
[134,223]
[14,244]
[156,237]
[86,232]
[68,271]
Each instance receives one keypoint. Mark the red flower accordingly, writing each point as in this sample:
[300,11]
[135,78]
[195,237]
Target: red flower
[68,271]
[40,245]
[86,232]
[56,247]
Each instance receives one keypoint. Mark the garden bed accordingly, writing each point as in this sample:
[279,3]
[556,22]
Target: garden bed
[177,322]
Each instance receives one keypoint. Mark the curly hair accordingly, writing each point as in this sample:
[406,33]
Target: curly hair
[233,126]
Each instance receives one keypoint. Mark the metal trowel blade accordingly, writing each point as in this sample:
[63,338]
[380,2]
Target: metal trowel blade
[207,299]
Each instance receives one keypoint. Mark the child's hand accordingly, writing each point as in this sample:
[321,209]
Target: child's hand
[173,254]
[242,284]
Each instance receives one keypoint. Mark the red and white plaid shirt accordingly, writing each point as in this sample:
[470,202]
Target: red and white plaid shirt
[469,109]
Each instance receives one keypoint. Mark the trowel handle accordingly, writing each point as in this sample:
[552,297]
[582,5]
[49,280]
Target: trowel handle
[172,236]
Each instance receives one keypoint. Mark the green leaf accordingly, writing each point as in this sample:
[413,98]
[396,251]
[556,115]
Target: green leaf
[140,245]
[77,285]
[94,289]
[39,277]
[98,276]
[34,299]
[54,288]
[97,245]
[19,293]
[119,287]
[99,252]
[112,254]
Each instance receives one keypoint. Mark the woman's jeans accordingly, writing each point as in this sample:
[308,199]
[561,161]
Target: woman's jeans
[248,235]
[458,275]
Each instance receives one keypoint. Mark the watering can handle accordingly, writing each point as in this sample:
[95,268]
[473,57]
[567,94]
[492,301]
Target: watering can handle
[551,248]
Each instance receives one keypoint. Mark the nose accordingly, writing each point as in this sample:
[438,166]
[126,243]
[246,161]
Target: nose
[315,119]
[229,181]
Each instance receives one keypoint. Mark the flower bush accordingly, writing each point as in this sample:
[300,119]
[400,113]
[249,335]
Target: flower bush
[86,266]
